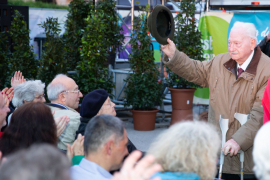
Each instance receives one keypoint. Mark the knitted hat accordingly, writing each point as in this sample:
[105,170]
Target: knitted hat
[92,103]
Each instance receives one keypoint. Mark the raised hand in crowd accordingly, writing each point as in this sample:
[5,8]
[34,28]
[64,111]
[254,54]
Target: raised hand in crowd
[169,49]
[143,170]
[268,36]
[61,123]
[76,148]
[8,95]
[17,79]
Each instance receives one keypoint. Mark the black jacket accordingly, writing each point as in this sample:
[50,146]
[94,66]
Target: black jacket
[265,47]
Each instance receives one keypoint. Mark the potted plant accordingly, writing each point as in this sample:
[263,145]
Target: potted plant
[143,89]
[114,32]
[92,71]
[22,56]
[188,40]
[78,10]
[52,61]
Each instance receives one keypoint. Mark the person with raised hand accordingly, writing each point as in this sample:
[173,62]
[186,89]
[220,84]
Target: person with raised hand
[135,169]
[236,82]
[17,79]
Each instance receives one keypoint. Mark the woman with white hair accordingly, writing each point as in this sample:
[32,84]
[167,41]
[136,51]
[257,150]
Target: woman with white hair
[29,91]
[33,91]
[261,153]
[187,150]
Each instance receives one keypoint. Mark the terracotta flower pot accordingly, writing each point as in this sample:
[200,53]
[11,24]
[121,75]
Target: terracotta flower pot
[182,103]
[144,120]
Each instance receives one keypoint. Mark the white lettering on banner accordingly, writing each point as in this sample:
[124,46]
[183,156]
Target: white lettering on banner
[208,57]
[207,44]
[265,32]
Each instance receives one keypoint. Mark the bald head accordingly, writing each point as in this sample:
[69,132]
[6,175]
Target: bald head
[64,90]
[64,80]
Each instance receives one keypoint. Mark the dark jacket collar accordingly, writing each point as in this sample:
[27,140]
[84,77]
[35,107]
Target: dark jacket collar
[60,106]
[252,67]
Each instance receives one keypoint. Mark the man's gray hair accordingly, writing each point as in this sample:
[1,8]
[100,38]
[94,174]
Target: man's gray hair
[39,162]
[261,153]
[53,90]
[99,130]
[248,27]
[27,91]
[190,146]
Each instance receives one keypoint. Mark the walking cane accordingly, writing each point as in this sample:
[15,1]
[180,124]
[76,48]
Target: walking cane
[242,118]
[223,123]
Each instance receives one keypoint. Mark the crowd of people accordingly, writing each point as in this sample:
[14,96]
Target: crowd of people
[54,141]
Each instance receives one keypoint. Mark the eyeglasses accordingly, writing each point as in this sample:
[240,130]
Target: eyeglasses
[76,91]
[40,97]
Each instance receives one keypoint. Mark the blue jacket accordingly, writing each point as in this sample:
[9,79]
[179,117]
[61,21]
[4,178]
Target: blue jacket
[177,176]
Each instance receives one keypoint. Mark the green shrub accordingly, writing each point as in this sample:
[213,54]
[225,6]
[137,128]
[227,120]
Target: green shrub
[187,39]
[52,61]
[113,33]
[4,59]
[23,57]
[78,11]
[144,89]
[92,71]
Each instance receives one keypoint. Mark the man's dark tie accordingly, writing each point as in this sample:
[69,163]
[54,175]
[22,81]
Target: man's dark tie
[240,70]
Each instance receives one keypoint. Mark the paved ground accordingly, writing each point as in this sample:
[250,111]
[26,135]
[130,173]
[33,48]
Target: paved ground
[143,139]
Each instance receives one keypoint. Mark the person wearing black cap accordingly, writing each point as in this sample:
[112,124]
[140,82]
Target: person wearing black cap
[96,103]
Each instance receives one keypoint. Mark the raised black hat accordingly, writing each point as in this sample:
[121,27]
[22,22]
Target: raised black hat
[161,24]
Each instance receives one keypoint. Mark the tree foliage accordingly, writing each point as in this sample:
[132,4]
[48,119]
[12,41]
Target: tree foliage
[92,71]
[143,90]
[78,11]
[22,58]
[52,61]
[187,39]
[4,60]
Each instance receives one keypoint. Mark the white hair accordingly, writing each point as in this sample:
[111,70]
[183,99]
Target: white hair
[27,91]
[248,27]
[53,90]
[261,153]
[190,146]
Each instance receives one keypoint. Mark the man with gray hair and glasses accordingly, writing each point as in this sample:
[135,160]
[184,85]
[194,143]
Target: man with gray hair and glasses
[105,146]
[64,94]
[236,82]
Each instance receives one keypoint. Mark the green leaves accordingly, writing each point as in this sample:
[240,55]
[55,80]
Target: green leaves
[143,91]
[52,61]
[97,36]
[4,59]
[23,57]
[187,39]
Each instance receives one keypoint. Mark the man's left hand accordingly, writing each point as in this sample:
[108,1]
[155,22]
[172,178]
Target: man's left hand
[231,146]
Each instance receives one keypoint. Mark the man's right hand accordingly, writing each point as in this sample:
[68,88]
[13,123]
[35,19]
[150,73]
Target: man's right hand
[169,49]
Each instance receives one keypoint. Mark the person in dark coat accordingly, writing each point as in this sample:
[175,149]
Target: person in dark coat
[265,45]
[96,103]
